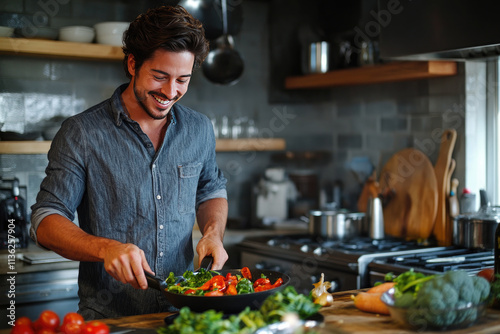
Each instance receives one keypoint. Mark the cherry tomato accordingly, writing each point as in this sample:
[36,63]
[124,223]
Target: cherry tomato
[22,329]
[190,292]
[214,293]
[45,331]
[488,273]
[47,320]
[95,327]
[73,317]
[246,273]
[71,328]
[23,321]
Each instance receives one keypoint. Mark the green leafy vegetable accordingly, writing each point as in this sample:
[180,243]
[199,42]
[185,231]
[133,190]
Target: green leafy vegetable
[244,286]
[247,321]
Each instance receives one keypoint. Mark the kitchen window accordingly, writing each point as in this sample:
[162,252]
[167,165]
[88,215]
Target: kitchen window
[492,131]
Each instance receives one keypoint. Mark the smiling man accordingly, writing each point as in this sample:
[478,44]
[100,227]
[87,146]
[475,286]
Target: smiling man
[138,168]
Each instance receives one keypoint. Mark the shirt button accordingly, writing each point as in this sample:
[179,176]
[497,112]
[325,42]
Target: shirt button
[161,253]
[154,166]
[161,227]
[158,197]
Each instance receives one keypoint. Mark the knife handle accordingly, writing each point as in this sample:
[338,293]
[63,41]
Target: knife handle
[206,263]
[153,281]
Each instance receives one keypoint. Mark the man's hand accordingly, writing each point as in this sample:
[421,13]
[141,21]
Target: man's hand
[126,263]
[212,246]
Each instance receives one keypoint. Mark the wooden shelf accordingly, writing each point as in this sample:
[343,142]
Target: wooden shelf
[24,147]
[390,72]
[222,145]
[250,144]
[59,49]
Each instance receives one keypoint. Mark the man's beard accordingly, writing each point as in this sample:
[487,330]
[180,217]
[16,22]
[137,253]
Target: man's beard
[150,114]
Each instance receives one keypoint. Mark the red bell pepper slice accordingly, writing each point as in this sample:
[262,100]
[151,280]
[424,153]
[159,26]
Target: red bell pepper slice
[216,282]
[261,281]
[214,293]
[246,273]
[231,290]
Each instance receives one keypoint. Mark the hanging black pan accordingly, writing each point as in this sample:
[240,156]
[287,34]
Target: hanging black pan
[227,304]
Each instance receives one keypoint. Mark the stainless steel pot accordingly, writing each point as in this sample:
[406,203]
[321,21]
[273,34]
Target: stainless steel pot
[477,230]
[337,225]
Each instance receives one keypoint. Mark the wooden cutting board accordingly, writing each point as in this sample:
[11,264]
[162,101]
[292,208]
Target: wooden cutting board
[443,230]
[408,182]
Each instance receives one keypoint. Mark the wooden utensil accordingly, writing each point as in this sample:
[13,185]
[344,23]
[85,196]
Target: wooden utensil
[454,206]
[442,227]
[449,218]
[410,212]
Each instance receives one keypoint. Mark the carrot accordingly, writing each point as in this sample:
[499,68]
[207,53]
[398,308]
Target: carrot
[370,302]
[381,287]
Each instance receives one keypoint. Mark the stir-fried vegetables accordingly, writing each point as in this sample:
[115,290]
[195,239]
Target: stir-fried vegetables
[202,283]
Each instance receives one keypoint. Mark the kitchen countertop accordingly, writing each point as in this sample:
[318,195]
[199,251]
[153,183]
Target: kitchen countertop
[342,315]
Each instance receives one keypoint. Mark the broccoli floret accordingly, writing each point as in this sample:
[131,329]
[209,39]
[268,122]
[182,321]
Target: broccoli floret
[482,287]
[443,300]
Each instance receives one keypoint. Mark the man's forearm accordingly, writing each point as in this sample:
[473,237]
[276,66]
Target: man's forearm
[212,217]
[67,239]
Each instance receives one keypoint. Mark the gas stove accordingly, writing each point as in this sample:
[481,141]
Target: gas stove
[304,258]
[433,262]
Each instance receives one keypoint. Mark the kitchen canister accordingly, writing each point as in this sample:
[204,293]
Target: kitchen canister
[317,58]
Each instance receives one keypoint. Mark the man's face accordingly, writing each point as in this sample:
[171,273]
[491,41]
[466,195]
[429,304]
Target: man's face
[161,81]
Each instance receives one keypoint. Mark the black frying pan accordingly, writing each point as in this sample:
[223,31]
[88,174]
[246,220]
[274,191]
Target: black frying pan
[226,304]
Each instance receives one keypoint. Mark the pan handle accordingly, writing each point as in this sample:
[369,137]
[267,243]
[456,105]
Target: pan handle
[206,263]
[153,281]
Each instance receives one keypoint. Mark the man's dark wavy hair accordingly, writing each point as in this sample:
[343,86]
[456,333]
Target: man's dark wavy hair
[170,28]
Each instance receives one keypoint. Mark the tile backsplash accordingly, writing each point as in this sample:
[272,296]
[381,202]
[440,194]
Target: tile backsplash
[371,121]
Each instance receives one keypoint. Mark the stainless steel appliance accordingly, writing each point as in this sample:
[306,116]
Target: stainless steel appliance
[304,257]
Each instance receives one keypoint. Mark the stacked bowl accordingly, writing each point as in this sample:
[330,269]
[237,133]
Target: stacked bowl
[80,34]
[110,33]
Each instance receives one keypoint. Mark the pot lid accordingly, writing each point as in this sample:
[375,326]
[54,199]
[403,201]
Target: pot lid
[486,212]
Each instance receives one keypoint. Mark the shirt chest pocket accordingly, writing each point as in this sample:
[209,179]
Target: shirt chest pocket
[189,175]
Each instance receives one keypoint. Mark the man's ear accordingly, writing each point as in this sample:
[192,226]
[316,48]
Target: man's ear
[131,64]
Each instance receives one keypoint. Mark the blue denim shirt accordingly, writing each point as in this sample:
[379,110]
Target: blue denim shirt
[102,165]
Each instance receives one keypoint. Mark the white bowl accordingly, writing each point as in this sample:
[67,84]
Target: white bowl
[110,33]
[6,31]
[78,34]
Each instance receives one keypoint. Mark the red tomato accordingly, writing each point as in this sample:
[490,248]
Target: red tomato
[190,292]
[22,329]
[95,327]
[71,328]
[73,318]
[488,273]
[47,320]
[246,273]
[45,331]
[23,321]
